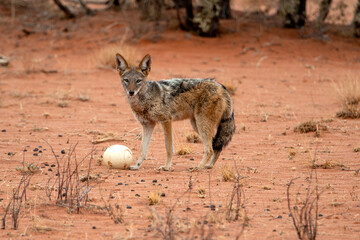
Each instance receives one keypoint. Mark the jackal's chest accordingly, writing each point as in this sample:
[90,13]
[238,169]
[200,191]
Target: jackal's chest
[149,112]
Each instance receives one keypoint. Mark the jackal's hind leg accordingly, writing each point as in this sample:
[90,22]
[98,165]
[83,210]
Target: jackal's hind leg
[213,160]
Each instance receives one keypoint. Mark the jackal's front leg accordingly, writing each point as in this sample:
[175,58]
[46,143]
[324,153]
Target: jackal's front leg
[146,136]
[167,126]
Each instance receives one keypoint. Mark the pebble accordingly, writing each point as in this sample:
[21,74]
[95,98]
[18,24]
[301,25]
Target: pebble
[50,170]
[46,164]
[35,154]
[162,195]
[137,195]
[52,165]
[4,130]
[129,207]
[36,149]
[191,159]
[142,180]
[59,135]
[63,151]
[154,181]
[93,227]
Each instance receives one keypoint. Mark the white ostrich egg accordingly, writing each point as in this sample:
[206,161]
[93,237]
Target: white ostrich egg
[118,156]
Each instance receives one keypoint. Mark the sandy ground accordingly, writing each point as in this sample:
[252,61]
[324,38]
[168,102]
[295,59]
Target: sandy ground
[281,80]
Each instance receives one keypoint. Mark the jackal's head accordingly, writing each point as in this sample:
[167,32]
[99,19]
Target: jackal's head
[133,77]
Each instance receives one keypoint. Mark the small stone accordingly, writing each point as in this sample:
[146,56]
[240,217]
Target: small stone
[154,181]
[279,217]
[46,164]
[112,197]
[52,165]
[50,170]
[212,207]
[93,227]
[35,154]
[120,183]
[192,159]
[137,195]
[128,207]
[36,149]
[142,180]
[132,190]
[4,130]
[63,151]
[320,215]
[162,195]
[126,184]
[59,135]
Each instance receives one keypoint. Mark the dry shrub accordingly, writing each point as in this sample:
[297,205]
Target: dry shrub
[106,55]
[304,212]
[193,137]
[228,173]
[309,126]
[348,91]
[184,150]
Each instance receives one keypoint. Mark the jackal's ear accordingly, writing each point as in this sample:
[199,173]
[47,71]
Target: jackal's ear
[145,64]
[121,64]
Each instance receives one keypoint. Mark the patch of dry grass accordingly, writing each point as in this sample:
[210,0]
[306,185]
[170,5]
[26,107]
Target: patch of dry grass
[106,55]
[154,198]
[201,192]
[228,173]
[184,150]
[193,137]
[348,93]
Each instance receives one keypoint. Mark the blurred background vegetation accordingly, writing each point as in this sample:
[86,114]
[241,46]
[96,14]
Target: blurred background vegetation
[203,17]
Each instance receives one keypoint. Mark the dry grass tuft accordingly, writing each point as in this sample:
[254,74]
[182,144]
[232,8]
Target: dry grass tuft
[348,91]
[193,137]
[154,198]
[184,150]
[201,192]
[106,55]
[228,173]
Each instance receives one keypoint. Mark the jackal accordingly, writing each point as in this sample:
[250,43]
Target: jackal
[205,102]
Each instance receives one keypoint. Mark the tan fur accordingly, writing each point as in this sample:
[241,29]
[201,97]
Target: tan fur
[204,101]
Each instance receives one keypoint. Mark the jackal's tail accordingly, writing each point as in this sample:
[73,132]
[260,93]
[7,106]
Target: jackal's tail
[224,132]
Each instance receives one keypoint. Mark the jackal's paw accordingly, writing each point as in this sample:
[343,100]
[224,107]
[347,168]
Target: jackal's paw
[208,166]
[135,167]
[164,168]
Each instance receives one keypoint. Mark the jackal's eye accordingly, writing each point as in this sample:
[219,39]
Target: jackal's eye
[126,80]
[138,81]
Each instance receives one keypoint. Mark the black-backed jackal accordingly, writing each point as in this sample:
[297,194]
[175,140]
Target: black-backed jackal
[204,101]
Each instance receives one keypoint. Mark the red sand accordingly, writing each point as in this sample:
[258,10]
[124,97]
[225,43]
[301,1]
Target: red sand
[282,80]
